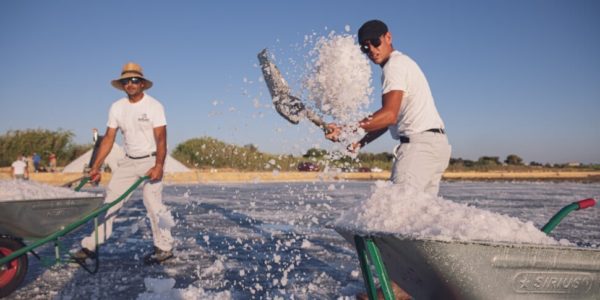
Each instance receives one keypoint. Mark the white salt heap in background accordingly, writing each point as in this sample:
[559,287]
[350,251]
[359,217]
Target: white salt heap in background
[30,190]
[338,82]
[417,215]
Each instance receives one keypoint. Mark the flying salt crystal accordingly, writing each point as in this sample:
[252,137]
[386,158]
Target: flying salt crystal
[347,28]
[339,82]
[215,102]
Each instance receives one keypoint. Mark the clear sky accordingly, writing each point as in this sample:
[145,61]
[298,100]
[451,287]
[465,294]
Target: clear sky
[508,76]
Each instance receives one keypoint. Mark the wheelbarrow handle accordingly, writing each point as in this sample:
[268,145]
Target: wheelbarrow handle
[581,204]
[83,181]
[585,203]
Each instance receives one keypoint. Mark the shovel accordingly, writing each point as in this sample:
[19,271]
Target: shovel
[288,106]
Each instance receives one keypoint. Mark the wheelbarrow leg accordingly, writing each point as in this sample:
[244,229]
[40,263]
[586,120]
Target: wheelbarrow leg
[364,246]
[365,267]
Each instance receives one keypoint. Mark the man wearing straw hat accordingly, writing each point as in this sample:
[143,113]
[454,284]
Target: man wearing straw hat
[141,119]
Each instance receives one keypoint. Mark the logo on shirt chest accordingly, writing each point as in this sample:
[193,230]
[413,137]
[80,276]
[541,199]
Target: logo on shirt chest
[143,118]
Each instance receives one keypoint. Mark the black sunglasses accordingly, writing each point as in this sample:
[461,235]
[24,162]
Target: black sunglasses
[364,46]
[134,80]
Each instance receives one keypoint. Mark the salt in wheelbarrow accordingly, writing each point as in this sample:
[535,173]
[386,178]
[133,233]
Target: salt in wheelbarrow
[432,269]
[41,222]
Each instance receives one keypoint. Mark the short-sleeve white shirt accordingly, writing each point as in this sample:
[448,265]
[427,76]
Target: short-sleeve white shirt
[417,112]
[137,122]
[19,167]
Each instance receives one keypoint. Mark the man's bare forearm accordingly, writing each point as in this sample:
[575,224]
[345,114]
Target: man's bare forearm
[105,147]
[371,136]
[161,145]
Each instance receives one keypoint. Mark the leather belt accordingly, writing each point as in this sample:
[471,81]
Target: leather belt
[405,139]
[140,157]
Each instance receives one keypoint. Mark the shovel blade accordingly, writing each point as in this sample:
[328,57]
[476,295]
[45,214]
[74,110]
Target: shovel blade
[288,106]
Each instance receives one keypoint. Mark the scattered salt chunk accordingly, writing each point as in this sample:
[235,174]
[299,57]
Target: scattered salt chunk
[306,244]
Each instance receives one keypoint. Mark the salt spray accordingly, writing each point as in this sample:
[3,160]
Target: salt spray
[338,84]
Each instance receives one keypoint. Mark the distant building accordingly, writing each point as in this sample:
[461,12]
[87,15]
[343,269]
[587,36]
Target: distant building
[574,164]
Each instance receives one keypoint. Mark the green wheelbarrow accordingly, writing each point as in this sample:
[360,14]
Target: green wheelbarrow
[432,269]
[44,221]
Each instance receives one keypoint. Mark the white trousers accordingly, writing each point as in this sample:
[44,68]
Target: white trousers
[128,172]
[421,163]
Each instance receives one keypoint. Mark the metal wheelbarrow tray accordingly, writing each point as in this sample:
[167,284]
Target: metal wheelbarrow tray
[32,219]
[430,269]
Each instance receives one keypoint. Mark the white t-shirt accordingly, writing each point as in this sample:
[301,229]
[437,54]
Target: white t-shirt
[417,112]
[137,122]
[19,167]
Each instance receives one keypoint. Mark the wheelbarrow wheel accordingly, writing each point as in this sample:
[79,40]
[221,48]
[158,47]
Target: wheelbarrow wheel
[13,273]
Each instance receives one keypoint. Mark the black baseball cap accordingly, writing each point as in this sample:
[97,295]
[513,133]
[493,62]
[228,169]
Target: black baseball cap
[371,30]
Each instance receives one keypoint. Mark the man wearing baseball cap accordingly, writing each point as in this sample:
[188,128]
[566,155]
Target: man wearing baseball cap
[141,119]
[408,111]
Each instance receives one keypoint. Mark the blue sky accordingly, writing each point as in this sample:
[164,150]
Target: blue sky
[516,76]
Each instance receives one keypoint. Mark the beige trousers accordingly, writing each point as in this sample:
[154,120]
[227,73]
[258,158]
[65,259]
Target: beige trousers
[128,171]
[421,163]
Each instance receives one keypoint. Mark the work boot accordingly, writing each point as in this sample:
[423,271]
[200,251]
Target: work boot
[158,256]
[82,254]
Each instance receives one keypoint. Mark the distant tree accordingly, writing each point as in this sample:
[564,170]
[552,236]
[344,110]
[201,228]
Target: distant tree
[488,161]
[513,160]
[41,141]
[456,161]
[207,152]
[251,147]
[535,164]
[315,153]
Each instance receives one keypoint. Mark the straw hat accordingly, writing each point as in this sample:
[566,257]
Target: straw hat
[130,70]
